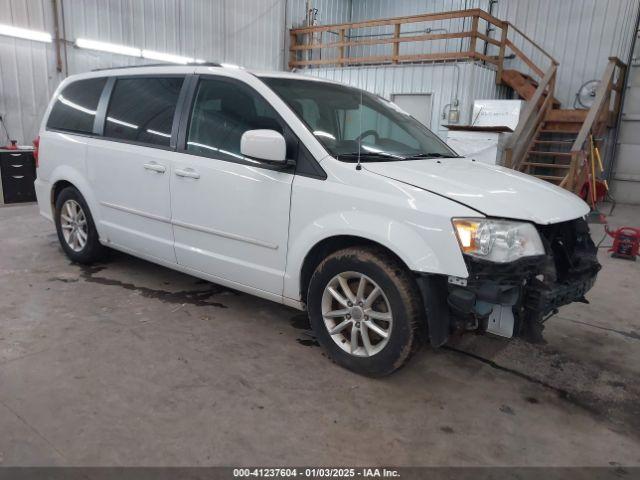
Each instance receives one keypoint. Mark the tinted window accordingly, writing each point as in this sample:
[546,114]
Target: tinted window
[141,109]
[222,112]
[75,107]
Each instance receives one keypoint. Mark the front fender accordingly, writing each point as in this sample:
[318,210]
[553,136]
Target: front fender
[438,254]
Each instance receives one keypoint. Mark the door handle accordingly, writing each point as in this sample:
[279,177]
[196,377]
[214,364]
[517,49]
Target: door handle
[155,167]
[188,172]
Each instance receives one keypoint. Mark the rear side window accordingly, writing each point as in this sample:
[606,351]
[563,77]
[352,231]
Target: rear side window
[75,107]
[222,112]
[142,109]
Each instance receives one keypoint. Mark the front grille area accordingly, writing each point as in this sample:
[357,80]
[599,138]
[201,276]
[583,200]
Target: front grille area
[572,249]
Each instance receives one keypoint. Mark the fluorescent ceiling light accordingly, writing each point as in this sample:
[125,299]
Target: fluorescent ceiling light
[108,47]
[155,132]
[24,33]
[71,104]
[320,133]
[134,52]
[166,57]
[122,122]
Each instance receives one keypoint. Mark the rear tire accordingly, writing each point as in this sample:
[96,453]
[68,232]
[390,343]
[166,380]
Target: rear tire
[75,227]
[367,291]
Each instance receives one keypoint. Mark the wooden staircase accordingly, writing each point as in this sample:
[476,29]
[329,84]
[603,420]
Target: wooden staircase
[549,155]
[550,143]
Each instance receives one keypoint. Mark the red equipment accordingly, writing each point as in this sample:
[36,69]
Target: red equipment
[626,242]
[36,150]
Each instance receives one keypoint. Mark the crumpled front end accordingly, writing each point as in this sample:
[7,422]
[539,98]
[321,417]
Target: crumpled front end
[514,299]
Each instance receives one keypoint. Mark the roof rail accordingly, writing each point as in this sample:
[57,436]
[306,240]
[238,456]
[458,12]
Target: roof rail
[190,64]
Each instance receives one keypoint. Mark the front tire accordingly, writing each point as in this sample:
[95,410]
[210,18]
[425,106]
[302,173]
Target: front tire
[366,310]
[75,227]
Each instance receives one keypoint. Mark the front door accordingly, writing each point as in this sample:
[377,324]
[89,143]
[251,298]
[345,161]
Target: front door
[230,214]
[130,168]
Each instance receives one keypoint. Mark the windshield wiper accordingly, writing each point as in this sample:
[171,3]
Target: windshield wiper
[431,155]
[371,156]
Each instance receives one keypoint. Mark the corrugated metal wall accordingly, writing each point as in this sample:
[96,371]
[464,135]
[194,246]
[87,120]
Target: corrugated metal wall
[27,69]
[246,32]
[445,82]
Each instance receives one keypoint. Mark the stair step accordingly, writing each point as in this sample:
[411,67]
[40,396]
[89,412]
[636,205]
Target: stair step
[553,142]
[565,132]
[566,126]
[546,165]
[562,115]
[553,154]
[549,177]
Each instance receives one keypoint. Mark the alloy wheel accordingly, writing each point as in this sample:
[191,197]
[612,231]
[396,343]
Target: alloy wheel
[357,314]
[74,226]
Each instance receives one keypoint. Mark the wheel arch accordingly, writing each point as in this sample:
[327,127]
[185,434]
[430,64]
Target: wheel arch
[65,176]
[56,188]
[329,245]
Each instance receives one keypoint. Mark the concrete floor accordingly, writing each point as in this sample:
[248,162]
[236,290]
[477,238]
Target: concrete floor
[129,363]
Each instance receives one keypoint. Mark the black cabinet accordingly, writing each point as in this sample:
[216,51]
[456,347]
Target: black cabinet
[18,172]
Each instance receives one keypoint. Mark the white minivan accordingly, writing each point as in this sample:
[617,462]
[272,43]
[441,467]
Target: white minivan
[313,194]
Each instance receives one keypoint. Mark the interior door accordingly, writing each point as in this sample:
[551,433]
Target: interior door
[130,168]
[230,214]
[417,105]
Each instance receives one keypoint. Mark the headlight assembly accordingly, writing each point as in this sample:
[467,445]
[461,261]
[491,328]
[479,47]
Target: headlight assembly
[498,241]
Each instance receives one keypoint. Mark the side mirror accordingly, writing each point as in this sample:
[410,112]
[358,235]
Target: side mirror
[265,145]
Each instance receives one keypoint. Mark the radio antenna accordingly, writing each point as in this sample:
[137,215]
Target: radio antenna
[359,166]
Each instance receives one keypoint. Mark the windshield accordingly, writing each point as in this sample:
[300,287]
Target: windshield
[353,124]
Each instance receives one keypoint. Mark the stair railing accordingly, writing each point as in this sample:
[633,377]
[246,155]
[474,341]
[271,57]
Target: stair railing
[601,115]
[530,121]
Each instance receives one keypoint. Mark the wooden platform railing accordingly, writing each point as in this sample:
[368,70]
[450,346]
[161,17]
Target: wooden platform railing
[342,44]
[602,114]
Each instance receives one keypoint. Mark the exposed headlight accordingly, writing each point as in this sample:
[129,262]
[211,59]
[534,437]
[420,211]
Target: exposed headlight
[498,241]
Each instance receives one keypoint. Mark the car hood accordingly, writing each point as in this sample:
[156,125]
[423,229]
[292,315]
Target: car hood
[492,190]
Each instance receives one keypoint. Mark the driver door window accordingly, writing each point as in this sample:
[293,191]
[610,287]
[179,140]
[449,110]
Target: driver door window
[222,112]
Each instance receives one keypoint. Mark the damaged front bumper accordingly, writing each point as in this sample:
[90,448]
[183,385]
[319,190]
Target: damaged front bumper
[513,299]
